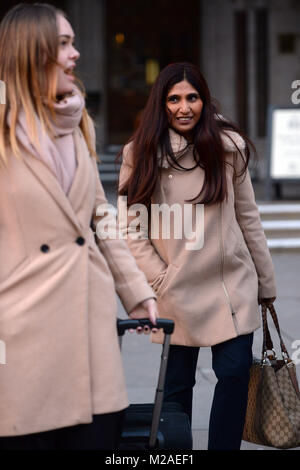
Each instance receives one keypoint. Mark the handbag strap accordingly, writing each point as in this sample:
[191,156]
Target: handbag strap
[267,341]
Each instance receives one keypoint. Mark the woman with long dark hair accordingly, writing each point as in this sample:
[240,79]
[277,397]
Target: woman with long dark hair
[62,386]
[189,166]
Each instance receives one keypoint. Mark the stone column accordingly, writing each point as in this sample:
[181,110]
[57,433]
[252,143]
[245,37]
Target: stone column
[88,21]
[217,60]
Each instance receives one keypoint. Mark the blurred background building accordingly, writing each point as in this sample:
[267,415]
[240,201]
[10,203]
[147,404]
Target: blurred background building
[248,50]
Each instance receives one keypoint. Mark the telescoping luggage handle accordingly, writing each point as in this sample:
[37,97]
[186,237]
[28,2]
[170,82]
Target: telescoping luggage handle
[168,327]
[128,324]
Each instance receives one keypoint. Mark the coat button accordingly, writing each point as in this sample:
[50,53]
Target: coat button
[80,241]
[170,177]
[45,248]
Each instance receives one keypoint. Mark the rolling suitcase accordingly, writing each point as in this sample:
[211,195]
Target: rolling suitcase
[157,426]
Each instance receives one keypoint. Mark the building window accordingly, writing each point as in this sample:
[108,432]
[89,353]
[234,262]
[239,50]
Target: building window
[286,43]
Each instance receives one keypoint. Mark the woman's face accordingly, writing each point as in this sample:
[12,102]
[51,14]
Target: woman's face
[184,107]
[67,56]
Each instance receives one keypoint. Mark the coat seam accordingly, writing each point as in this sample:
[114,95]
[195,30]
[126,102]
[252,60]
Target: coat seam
[233,313]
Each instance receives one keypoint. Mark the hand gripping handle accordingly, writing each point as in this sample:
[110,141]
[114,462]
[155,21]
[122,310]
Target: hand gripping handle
[165,324]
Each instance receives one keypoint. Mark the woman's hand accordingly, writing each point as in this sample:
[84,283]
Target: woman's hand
[266,301]
[146,309]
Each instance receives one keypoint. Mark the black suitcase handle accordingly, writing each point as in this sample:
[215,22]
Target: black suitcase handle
[168,327]
[130,324]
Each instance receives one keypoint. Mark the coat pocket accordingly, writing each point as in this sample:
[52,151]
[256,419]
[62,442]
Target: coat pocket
[166,280]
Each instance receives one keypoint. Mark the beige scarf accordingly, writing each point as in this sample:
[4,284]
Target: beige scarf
[58,154]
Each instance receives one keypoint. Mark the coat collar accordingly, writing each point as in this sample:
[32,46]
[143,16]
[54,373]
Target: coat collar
[179,144]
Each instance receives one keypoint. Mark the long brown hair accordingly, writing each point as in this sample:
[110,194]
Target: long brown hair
[28,59]
[152,134]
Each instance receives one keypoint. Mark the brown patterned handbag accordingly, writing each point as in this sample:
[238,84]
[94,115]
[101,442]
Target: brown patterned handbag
[273,410]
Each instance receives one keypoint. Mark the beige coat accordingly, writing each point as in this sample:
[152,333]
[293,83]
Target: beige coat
[212,292]
[57,299]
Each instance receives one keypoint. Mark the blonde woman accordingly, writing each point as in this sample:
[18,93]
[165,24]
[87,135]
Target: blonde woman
[62,386]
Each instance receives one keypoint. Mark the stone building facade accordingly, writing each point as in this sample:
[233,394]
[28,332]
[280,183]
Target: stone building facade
[248,50]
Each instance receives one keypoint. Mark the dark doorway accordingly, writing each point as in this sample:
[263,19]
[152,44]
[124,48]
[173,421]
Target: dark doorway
[142,38]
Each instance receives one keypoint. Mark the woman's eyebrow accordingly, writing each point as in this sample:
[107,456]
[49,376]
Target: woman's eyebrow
[67,36]
[193,93]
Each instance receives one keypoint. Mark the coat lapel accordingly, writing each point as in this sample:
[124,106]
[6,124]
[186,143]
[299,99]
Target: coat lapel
[51,184]
[81,187]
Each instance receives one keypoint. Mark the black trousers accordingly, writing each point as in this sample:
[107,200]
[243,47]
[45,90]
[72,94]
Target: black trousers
[231,362]
[102,434]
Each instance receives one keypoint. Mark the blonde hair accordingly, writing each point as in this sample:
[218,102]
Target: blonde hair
[28,59]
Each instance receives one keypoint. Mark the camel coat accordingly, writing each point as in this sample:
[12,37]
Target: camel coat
[57,299]
[211,292]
